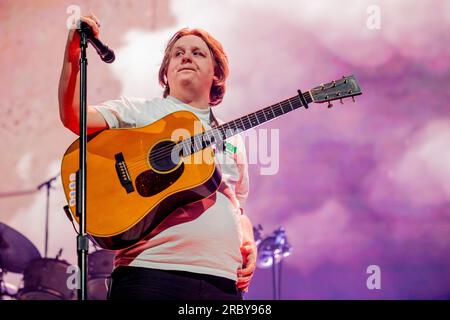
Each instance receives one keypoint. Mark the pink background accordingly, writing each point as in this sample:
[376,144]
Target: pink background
[358,185]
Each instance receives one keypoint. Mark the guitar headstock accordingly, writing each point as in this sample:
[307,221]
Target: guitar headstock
[336,90]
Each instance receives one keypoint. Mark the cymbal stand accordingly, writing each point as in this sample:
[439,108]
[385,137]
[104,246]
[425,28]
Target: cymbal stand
[48,185]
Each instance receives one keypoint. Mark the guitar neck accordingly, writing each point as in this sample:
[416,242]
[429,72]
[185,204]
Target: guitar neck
[244,123]
[261,116]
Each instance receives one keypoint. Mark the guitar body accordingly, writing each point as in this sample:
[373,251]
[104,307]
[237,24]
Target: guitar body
[132,183]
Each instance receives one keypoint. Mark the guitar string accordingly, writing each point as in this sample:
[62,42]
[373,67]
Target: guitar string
[142,162]
[166,151]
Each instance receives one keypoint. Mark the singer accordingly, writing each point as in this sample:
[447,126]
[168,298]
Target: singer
[213,256]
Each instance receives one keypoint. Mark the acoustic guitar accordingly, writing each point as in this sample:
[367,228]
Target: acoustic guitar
[136,177]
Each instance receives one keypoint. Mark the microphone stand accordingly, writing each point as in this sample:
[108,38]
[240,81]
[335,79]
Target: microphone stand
[276,275]
[48,185]
[82,238]
[271,252]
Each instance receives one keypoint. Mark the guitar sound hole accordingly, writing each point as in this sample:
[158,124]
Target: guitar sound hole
[163,157]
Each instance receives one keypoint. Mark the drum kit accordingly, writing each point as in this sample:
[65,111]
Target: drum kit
[46,278]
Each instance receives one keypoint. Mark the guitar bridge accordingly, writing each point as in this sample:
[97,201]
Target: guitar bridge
[122,173]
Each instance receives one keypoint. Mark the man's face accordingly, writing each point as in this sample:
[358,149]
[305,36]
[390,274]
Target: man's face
[191,65]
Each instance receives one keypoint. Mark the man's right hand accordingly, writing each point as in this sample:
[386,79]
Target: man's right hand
[73,40]
[69,84]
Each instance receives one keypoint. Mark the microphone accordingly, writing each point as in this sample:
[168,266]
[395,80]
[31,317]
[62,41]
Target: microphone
[105,53]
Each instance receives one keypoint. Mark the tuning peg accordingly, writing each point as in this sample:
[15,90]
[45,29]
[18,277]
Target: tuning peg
[341,101]
[322,86]
[353,98]
[345,79]
[329,104]
[334,84]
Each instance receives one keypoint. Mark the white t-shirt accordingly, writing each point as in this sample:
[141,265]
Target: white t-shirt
[209,244]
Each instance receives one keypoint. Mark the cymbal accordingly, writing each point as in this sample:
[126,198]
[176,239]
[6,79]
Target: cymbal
[16,251]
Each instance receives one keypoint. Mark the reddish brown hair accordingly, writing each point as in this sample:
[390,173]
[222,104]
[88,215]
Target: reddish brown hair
[219,57]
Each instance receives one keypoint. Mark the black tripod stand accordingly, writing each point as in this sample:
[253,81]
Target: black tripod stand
[47,184]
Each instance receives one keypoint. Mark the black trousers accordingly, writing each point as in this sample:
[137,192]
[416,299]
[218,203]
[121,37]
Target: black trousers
[136,283]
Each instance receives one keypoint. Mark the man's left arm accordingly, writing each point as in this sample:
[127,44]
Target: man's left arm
[249,253]
[248,246]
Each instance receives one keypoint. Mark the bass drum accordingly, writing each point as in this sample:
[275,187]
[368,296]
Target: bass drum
[46,279]
[100,268]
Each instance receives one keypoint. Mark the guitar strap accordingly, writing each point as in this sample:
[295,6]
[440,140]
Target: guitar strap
[220,147]
[212,119]
[214,124]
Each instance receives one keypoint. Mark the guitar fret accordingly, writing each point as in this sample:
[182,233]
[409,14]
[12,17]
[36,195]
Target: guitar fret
[243,126]
[201,141]
[228,132]
[193,149]
[289,100]
[271,109]
[208,138]
[183,146]
[268,114]
[231,126]
[286,106]
[308,97]
[191,145]
[298,101]
[196,141]
[216,135]
[224,128]
[249,121]
[221,132]
[277,111]
[236,127]
[255,120]
[258,113]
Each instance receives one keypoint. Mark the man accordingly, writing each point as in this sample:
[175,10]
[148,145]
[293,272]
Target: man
[212,256]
